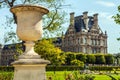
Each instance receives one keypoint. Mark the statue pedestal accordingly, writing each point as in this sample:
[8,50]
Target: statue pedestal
[30,69]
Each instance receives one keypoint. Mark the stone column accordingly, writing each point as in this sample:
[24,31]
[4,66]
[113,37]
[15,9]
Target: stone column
[72,18]
[85,18]
[96,20]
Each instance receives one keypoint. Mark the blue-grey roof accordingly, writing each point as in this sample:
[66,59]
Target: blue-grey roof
[79,23]
[13,46]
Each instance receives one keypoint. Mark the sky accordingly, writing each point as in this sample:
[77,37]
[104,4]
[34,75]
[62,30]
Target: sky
[105,8]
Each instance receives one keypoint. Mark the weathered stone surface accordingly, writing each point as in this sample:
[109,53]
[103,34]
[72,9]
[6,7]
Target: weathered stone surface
[29,72]
[31,61]
[29,21]
[29,65]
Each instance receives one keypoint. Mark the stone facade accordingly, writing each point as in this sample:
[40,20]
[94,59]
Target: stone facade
[9,52]
[84,35]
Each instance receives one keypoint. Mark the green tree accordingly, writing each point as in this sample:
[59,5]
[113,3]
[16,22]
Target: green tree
[117,16]
[100,59]
[69,57]
[81,57]
[52,22]
[47,50]
[77,63]
[117,58]
[90,59]
[109,59]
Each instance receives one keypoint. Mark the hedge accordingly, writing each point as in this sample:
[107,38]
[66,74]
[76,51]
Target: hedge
[65,68]
[6,68]
[103,68]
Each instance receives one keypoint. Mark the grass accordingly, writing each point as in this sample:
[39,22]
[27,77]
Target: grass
[102,77]
[116,76]
[61,75]
[58,75]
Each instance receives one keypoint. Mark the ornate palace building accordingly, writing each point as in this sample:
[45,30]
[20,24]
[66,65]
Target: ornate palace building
[84,35]
[9,52]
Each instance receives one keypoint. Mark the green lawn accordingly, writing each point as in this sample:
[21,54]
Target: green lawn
[116,76]
[102,77]
[58,75]
[61,75]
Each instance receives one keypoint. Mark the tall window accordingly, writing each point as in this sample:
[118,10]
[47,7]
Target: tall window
[94,50]
[98,41]
[78,41]
[95,42]
[84,50]
[81,40]
[84,40]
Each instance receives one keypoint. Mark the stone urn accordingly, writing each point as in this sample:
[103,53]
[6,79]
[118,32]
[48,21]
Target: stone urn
[29,65]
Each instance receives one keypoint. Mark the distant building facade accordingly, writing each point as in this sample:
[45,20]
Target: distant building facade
[84,35]
[8,53]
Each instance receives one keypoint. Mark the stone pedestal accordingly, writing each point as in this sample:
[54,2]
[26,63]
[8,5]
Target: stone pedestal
[30,69]
[29,72]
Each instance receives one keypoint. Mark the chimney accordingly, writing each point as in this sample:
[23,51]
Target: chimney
[72,18]
[95,19]
[85,18]
[85,15]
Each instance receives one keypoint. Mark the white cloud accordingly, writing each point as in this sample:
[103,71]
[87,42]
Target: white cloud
[103,15]
[105,3]
[106,16]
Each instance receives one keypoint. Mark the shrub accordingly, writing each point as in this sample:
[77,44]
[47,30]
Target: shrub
[90,59]
[103,68]
[63,68]
[7,68]
[100,59]
[89,77]
[6,76]
[69,57]
[77,63]
[81,57]
[109,59]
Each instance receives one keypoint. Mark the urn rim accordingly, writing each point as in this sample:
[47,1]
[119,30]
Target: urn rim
[29,7]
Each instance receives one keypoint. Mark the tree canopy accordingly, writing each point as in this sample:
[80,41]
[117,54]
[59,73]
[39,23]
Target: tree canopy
[117,16]
[47,50]
[52,22]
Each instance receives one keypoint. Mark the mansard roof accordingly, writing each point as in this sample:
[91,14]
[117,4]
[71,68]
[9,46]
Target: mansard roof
[13,46]
[79,23]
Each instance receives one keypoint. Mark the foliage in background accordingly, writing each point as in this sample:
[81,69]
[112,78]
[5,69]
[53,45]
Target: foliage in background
[47,50]
[6,76]
[109,59]
[100,59]
[77,62]
[90,59]
[52,22]
[69,57]
[67,68]
[117,58]
[81,56]
[117,16]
